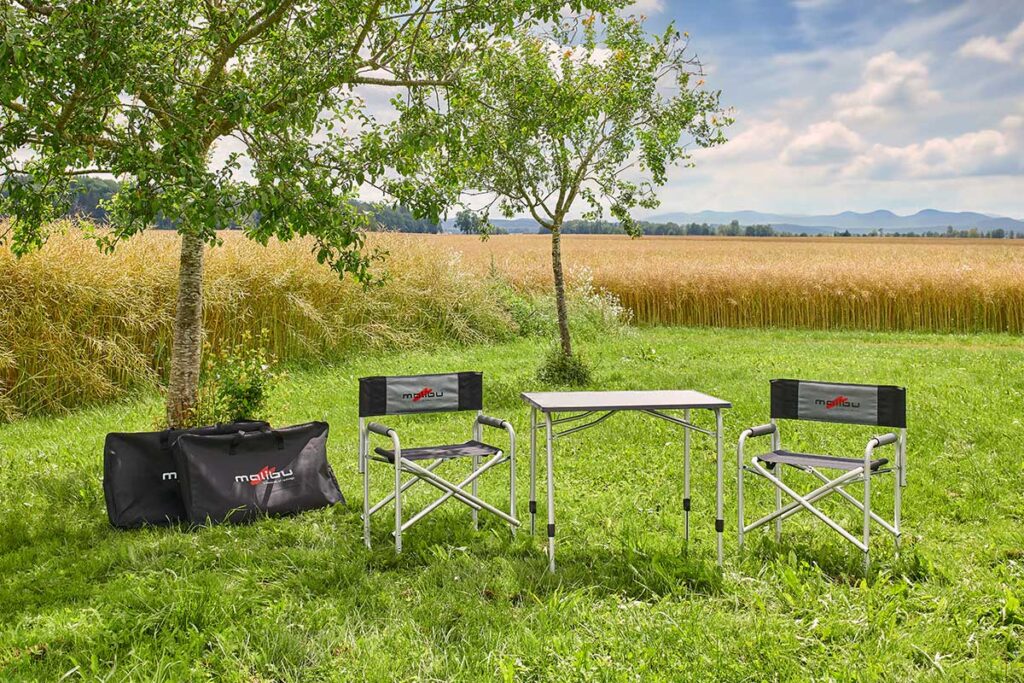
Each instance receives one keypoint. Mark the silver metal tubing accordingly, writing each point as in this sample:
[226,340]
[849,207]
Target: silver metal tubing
[842,492]
[868,452]
[686,476]
[551,491]
[362,443]
[682,423]
[447,486]
[477,435]
[439,483]
[533,471]
[778,504]
[511,472]
[365,470]
[720,502]
[572,418]
[588,425]
[496,460]
[901,481]
[818,493]
[405,486]
[776,441]
[807,506]
[740,470]
[739,487]
[398,491]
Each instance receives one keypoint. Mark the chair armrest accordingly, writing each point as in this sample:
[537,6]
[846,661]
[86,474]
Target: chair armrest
[495,422]
[760,430]
[378,428]
[883,440]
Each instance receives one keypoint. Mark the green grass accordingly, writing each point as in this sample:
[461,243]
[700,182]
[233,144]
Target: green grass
[301,599]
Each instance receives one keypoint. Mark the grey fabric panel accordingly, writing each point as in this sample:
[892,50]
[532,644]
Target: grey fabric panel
[422,393]
[459,450]
[849,403]
[811,460]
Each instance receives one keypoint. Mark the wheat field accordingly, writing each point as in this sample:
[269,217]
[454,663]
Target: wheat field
[79,327]
[935,285]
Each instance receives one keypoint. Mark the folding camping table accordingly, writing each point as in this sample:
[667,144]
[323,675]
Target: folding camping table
[583,404]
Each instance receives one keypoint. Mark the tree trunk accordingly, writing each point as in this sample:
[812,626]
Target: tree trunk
[560,307]
[186,355]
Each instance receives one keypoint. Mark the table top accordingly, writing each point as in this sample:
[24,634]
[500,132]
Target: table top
[574,401]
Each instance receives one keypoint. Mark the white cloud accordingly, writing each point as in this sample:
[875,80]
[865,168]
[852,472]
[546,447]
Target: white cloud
[647,7]
[994,49]
[757,140]
[891,84]
[826,142]
[983,152]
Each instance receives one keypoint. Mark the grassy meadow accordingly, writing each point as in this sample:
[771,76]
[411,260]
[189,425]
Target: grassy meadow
[300,599]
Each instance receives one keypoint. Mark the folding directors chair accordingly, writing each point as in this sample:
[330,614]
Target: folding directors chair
[430,394]
[860,404]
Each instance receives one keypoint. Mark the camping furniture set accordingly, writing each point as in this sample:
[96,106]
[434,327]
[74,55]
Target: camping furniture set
[236,472]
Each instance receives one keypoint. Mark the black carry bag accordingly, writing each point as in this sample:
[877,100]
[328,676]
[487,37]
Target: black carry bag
[240,477]
[140,478]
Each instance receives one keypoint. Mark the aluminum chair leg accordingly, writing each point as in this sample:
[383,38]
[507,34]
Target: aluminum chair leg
[366,486]
[512,476]
[533,471]
[477,436]
[778,504]
[739,491]
[867,510]
[398,503]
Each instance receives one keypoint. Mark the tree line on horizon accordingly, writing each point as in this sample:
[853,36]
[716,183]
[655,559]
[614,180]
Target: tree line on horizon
[89,195]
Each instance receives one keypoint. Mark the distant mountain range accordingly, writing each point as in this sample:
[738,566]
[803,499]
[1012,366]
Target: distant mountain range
[927,220]
[922,221]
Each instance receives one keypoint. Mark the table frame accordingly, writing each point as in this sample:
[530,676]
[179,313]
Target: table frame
[551,421]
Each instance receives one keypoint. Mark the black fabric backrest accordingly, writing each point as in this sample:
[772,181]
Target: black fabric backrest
[420,393]
[863,404]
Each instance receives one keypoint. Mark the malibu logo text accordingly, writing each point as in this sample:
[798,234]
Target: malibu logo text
[264,475]
[425,392]
[837,402]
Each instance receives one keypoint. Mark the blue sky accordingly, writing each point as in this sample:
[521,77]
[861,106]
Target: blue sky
[857,105]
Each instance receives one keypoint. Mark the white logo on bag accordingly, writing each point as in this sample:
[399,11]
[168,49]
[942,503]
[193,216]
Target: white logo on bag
[264,475]
[170,476]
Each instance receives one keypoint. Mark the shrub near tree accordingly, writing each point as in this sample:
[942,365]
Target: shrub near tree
[149,91]
[593,112]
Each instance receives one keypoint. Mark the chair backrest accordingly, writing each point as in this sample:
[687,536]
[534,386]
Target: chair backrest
[863,404]
[420,393]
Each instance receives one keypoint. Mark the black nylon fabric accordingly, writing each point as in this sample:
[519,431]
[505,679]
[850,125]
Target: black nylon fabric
[140,477]
[240,477]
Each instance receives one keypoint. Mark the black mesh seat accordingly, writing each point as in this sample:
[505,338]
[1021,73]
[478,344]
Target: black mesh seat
[458,450]
[812,460]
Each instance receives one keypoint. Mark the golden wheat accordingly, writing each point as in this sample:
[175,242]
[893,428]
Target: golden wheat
[77,326]
[816,283]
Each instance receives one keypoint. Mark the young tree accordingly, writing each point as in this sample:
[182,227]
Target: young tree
[149,91]
[582,113]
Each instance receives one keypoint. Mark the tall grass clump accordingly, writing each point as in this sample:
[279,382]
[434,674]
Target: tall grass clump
[80,327]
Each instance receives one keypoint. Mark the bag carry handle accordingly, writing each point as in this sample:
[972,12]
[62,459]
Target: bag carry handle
[278,437]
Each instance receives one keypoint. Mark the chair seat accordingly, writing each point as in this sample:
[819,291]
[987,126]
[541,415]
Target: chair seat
[812,460]
[458,450]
